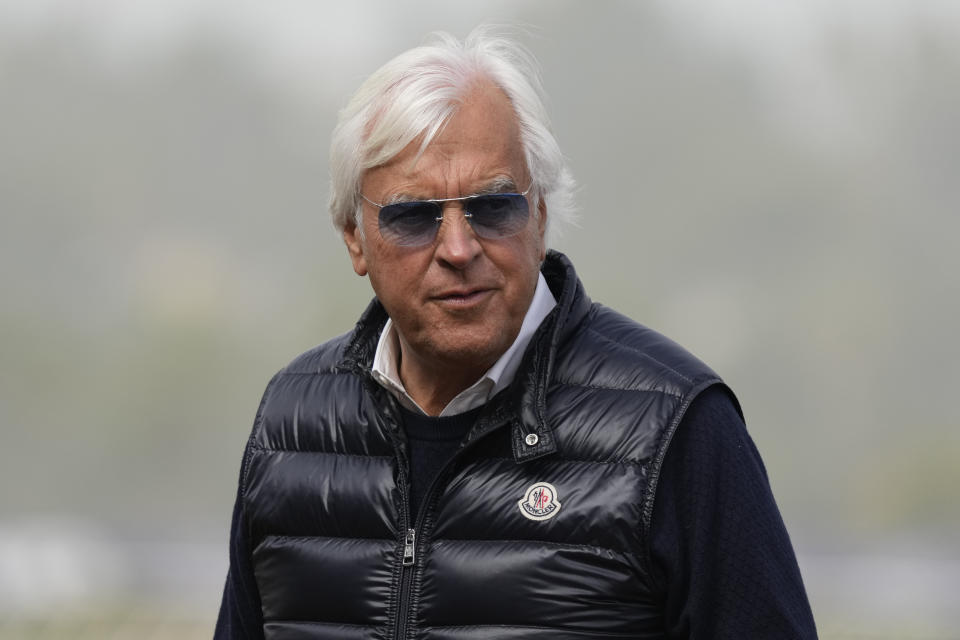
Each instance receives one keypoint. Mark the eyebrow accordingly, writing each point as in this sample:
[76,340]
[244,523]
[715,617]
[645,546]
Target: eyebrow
[500,184]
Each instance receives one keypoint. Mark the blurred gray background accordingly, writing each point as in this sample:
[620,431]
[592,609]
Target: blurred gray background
[165,247]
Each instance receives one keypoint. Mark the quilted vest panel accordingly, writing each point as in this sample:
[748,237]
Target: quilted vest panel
[325,495]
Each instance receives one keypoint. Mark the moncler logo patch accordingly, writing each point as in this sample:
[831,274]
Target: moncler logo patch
[540,502]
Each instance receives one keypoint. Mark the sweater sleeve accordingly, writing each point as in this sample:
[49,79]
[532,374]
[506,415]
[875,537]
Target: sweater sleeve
[719,548]
[241,617]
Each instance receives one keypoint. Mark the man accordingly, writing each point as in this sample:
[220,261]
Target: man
[488,454]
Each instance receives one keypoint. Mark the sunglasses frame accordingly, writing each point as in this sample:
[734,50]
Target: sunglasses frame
[439,218]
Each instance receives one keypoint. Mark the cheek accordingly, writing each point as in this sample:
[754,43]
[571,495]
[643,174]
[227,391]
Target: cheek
[536,248]
[395,279]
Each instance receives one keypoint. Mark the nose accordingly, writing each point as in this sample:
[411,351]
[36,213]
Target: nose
[457,244]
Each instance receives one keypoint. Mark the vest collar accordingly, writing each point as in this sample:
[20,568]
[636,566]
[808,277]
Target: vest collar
[524,404]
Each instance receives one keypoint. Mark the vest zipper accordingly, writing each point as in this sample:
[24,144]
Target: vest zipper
[406,577]
[410,539]
[409,557]
[409,548]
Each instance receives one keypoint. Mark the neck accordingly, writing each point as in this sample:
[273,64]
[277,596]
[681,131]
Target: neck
[433,384]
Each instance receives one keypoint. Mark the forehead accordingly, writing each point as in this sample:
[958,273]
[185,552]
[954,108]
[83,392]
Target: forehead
[480,143]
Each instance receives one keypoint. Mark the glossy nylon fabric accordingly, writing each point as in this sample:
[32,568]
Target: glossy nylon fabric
[325,490]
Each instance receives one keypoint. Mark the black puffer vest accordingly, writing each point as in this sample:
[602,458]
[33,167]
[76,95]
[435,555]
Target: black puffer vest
[537,528]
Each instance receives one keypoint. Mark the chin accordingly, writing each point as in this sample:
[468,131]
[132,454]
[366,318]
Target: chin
[470,355]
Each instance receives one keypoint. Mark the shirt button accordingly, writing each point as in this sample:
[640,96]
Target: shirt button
[531,439]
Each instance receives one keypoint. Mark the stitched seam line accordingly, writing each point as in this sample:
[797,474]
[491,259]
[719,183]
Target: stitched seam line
[622,463]
[539,543]
[569,383]
[261,449]
[283,537]
[653,479]
[626,463]
[318,622]
[589,632]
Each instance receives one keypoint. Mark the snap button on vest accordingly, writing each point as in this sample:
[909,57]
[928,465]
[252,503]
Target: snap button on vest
[532,439]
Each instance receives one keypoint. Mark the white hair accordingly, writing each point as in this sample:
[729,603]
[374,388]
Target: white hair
[415,93]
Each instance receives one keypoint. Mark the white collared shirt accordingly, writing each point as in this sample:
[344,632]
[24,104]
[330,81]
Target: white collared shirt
[496,379]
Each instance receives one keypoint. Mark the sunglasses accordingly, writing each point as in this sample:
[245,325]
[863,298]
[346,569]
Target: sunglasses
[415,223]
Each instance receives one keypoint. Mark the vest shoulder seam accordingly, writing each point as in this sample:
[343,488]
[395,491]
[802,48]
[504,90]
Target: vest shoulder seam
[642,354]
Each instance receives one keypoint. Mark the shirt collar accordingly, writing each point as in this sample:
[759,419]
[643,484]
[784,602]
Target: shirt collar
[496,379]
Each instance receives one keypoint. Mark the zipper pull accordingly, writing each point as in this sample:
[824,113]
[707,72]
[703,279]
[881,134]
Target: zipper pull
[409,548]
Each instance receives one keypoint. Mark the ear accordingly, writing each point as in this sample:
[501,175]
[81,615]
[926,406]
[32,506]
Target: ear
[355,248]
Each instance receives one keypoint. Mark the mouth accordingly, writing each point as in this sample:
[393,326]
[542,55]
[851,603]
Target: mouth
[462,297]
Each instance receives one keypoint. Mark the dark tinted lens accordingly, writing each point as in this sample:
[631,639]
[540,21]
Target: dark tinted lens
[409,223]
[498,215]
